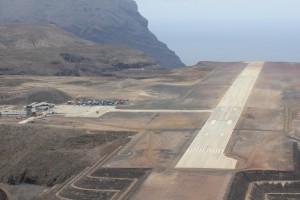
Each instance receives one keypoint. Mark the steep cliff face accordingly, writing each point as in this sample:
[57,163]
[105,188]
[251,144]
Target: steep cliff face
[102,21]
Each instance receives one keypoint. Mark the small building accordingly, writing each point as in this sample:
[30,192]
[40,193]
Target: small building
[34,108]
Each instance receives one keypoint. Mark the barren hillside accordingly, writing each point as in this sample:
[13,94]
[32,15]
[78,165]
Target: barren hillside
[47,50]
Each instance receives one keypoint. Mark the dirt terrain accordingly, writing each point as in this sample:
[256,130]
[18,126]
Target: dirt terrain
[4,195]
[43,156]
[22,191]
[268,120]
[264,141]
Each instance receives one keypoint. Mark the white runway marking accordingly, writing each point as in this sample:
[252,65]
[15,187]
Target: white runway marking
[30,119]
[221,123]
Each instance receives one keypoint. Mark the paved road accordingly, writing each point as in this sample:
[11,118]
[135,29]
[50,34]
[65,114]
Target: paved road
[161,111]
[207,149]
[98,111]
[87,171]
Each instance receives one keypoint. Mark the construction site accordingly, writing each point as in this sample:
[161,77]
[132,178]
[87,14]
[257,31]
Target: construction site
[214,131]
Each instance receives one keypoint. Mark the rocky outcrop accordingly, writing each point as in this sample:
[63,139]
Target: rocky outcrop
[101,21]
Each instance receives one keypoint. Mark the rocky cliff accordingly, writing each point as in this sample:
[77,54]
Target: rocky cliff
[102,21]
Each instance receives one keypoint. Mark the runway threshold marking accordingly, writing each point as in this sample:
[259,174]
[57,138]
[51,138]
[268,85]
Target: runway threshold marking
[221,124]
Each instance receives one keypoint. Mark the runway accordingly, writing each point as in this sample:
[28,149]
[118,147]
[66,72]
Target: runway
[207,149]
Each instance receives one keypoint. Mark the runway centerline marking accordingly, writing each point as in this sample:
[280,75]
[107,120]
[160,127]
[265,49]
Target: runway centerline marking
[222,121]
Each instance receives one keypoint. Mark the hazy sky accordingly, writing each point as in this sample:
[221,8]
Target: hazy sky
[226,30]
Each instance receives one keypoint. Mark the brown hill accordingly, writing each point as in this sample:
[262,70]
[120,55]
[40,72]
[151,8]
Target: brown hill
[27,36]
[47,50]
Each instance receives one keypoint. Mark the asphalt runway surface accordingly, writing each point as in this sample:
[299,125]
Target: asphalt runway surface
[207,149]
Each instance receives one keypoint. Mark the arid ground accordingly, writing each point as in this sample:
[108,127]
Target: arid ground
[130,151]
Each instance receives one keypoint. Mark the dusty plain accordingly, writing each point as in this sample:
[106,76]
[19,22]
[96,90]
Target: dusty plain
[139,161]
